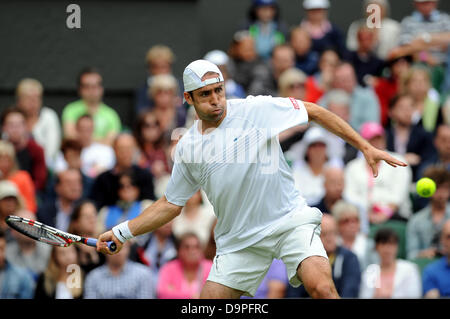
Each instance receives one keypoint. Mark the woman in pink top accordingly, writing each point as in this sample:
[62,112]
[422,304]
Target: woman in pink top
[184,277]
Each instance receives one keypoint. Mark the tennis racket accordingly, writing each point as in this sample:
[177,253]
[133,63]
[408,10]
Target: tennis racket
[50,235]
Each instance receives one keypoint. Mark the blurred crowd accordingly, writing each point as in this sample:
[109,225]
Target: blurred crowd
[84,171]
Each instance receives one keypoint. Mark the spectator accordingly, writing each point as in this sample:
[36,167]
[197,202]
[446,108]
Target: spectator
[322,81]
[334,188]
[245,64]
[21,178]
[27,252]
[156,249]
[366,63]
[233,90]
[324,34]
[386,37]
[391,278]
[29,155]
[436,276]
[364,106]
[407,139]
[386,196]
[424,227]
[350,236]
[344,263]
[306,59]
[265,26]
[197,217]
[446,109]
[70,158]
[10,203]
[387,87]
[442,144]
[184,277]
[275,282]
[15,282]
[83,222]
[106,185]
[42,121]
[69,190]
[154,149]
[159,59]
[167,105]
[291,83]
[62,279]
[309,168]
[107,121]
[266,80]
[128,205]
[417,84]
[95,157]
[120,278]
[424,21]
[338,101]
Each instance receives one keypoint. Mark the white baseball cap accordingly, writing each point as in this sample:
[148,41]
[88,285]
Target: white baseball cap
[316,4]
[193,73]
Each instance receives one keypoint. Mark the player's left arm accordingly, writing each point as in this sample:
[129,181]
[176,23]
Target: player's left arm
[338,126]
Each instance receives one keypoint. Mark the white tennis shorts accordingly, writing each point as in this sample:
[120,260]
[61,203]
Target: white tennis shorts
[297,238]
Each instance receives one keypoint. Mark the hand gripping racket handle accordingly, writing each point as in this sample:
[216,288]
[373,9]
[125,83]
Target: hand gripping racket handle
[93,242]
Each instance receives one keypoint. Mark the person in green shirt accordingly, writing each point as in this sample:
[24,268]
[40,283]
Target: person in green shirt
[107,123]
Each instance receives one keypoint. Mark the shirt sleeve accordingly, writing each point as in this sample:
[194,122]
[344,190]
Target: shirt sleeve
[277,114]
[182,184]
[429,281]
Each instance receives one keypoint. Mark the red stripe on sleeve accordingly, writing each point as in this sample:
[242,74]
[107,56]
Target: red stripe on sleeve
[294,102]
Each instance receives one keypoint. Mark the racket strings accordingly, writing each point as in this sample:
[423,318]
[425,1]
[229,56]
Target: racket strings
[39,233]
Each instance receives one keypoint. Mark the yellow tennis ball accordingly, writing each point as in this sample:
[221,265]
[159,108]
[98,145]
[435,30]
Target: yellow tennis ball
[425,187]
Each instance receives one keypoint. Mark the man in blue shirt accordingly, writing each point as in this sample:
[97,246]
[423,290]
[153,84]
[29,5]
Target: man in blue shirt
[436,276]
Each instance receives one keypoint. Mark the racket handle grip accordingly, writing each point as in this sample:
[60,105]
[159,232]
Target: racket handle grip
[93,242]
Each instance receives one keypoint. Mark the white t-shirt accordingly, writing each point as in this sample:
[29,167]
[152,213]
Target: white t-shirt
[241,168]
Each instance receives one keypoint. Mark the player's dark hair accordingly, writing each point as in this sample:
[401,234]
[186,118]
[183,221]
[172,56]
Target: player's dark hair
[2,234]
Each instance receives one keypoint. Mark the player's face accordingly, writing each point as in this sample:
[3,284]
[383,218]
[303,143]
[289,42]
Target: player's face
[209,102]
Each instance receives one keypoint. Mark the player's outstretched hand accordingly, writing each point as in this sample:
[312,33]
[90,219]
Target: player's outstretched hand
[374,155]
[102,245]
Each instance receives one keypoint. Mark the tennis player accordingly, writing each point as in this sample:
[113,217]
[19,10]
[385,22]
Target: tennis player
[232,152]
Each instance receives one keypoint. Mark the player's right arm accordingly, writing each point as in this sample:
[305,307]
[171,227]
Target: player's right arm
[153,217]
